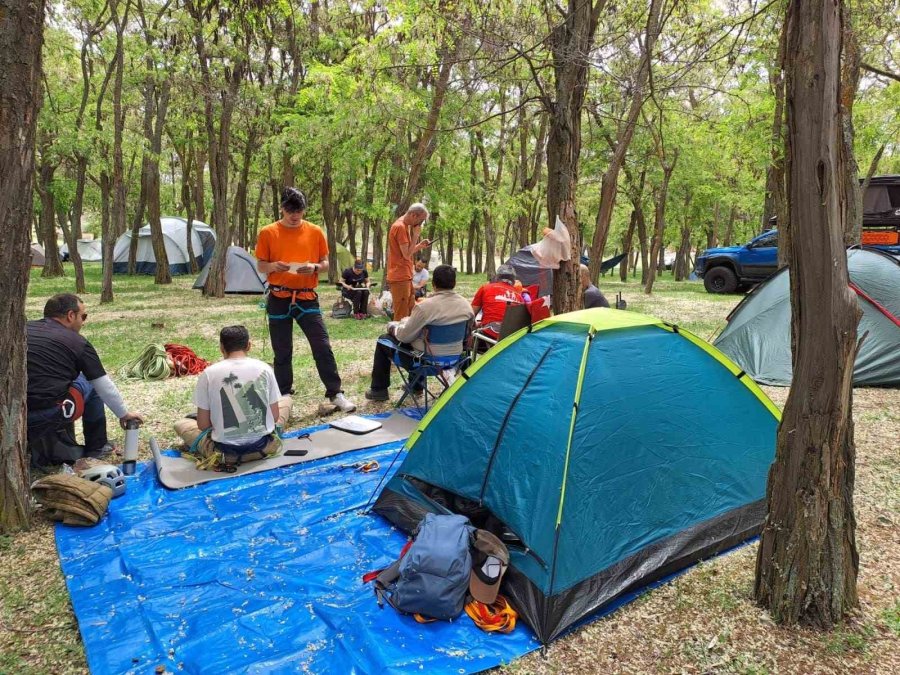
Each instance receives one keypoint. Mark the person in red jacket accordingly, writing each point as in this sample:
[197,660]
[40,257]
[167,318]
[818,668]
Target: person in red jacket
[493,298]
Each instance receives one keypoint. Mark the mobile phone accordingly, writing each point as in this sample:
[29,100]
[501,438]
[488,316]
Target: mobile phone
[296,452]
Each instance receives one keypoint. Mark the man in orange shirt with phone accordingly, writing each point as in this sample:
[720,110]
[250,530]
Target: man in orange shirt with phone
[292,251]
[403,244]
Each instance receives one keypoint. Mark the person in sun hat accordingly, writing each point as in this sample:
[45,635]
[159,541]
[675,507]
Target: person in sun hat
[490,559]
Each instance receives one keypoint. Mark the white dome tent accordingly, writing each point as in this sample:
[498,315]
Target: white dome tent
[203,240]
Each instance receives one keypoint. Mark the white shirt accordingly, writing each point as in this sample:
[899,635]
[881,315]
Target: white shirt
[238,394]
[420,276]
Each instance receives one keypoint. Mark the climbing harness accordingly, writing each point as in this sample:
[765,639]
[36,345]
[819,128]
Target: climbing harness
[496,618]
[295,311]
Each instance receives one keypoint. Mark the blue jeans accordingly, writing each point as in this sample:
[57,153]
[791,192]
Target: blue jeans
[93,420]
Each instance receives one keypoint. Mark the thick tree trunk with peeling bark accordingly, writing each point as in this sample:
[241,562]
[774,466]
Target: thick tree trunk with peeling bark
[807,562]
[21,32]
[570,41]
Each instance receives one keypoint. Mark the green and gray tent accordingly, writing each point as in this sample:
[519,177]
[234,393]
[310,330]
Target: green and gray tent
[758,334]
[607,448]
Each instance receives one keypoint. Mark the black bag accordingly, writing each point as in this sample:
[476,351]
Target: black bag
[55,447]
[342,309]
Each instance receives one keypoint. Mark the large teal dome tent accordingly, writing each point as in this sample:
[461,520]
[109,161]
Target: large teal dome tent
[607,448]
[758,334]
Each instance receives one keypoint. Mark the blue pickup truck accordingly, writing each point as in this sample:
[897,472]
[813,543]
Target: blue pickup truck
[733,268]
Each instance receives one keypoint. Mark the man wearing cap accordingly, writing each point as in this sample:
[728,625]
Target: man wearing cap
[355,287]
[493,298]
[292,252]
[66,379]
[403,244]
[490,558]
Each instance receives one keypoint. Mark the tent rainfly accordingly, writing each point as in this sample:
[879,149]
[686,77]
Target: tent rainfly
[241,275]
[607,448]
[37,255]
[203,240]
[758,334]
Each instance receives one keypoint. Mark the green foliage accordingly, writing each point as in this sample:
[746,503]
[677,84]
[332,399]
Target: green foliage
[348,87]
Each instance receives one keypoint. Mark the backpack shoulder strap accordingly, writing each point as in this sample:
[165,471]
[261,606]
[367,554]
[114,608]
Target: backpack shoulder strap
[383,581]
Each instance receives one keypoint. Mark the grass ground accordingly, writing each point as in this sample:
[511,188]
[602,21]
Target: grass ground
[703,622]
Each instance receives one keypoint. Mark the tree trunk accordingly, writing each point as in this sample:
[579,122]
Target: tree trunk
[200,187]
[74,255]
[657,250]
[137,222]
[156,102]
[118,213]
[52,263]
[570,42]
[21,32]
[625,133]
[642,241]
[729,229]
[219,100]
[712,232]
[328,215]
[779,198]
[683,255]
[807,561]
[627,240]
[109,241]
[428,138]
[849,84]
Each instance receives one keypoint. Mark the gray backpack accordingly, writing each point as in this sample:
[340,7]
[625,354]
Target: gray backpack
[432,577]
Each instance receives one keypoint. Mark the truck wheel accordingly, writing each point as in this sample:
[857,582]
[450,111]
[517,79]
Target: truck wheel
[720,280]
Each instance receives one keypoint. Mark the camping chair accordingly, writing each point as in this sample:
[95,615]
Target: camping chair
[515,318]
[425,364]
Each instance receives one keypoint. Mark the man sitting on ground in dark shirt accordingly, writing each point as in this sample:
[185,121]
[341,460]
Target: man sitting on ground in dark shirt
[355,287]
[66,379]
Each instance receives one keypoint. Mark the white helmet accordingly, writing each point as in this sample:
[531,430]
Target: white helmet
[106,474]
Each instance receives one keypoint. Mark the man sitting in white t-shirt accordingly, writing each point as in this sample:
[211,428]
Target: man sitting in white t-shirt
[238,404]
[420,279]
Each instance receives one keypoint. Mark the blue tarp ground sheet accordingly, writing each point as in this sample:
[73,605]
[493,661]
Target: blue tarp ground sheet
[258,574]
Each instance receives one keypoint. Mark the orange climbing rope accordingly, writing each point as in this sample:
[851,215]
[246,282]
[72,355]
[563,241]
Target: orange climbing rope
[185,360]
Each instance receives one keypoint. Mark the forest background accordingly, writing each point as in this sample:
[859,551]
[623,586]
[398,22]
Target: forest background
[206,109]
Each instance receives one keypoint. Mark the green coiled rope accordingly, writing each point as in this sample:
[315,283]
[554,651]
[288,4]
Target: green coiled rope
[152,364]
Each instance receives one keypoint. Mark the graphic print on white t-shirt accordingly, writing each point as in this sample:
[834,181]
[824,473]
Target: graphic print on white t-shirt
[238,394]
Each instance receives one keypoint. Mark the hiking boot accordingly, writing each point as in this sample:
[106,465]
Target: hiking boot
[377,395]
[342,403]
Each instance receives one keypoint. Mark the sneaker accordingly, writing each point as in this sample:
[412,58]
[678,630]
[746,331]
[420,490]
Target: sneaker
[377,395]
[342,403]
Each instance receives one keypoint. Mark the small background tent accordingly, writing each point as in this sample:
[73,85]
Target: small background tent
[241,275]
[758,334]
[203,240]
[345,259]
[607,448]
[37,255]
[529,272]
[90,250]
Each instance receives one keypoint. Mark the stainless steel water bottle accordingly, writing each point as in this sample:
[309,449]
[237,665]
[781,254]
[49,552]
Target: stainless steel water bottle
[131,447]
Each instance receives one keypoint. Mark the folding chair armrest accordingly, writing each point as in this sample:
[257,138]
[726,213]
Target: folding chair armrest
[412,353]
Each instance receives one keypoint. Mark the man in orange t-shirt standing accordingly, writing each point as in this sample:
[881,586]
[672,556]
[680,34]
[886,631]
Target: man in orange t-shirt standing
[292,251]
[403,244]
